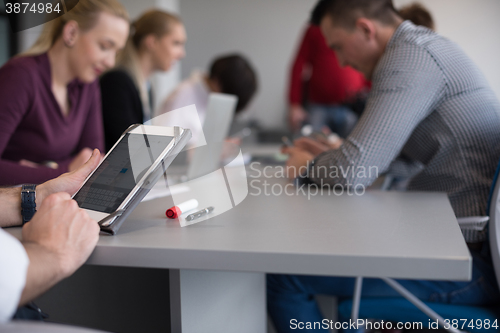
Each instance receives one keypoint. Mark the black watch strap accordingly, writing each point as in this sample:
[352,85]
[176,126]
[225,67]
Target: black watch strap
[28,203]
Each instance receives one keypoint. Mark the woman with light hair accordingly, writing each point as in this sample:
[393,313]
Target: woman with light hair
[50,105]
[155,43]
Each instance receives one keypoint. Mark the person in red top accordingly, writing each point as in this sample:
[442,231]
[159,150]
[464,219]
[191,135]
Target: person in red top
[329,86]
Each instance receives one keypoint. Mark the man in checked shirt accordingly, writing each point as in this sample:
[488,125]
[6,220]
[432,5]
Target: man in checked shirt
[431,116]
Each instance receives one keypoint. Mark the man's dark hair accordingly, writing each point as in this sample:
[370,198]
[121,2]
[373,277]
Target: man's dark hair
[344,13]
[319,11]
[418,14]
[235,76]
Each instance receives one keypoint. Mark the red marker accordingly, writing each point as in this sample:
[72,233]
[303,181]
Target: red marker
[176,211]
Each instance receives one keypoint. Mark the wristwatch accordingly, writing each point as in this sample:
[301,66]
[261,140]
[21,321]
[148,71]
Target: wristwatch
[28,203]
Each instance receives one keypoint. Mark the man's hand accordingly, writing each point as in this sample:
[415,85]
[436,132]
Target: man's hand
[63,229]
[313,147]
[10,199]
[296,117]
[297,162]
[58,240]
[68,182]
[316,147]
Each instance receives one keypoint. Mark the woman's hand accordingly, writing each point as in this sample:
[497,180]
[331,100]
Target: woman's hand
[30,164]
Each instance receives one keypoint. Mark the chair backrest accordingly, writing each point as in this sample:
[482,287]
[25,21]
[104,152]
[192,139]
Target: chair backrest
[494,223]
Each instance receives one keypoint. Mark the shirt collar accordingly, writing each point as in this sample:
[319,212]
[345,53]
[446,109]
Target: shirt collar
[401,31]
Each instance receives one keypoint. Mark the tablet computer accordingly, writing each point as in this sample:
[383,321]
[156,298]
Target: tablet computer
[128,171]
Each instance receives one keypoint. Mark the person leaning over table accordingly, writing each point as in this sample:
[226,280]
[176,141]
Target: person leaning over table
[156,43]
[55,243]
[430,105]
[50,104]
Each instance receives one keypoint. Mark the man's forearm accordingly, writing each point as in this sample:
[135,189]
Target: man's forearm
[10,205]
[44,271]
[10,201]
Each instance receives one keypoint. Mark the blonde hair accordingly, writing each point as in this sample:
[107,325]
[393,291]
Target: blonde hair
[85,13]
[153,22]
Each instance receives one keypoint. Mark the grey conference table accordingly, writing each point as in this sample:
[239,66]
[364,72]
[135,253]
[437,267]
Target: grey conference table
[217,267]
[38,327]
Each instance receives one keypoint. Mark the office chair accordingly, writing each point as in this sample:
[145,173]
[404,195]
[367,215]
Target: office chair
[402,309]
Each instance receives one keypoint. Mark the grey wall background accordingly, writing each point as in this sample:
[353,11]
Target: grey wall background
[268,32]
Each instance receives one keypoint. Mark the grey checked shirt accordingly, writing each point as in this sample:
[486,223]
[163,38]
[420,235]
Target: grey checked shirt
[431,115]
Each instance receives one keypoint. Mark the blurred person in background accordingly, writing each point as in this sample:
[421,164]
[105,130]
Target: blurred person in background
[229,74]
[320,88]
[432,116]
[156,43]
[50,101]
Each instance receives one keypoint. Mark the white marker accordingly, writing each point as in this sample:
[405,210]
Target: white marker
[176,211]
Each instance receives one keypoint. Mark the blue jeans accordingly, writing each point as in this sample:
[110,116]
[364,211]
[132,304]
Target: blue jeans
[339,119]
[292,296]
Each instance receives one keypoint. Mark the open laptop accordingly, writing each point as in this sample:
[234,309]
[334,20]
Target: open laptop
[220,111]
[206,147]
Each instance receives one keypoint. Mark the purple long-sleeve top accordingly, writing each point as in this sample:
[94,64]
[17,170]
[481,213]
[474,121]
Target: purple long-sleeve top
[32,126]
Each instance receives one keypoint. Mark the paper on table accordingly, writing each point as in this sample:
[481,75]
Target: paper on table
[160,190]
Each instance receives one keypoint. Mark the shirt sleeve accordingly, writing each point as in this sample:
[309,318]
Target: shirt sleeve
[301,59]
[405,168]
[16,96]
[13,269]
[93,132]
[402,96]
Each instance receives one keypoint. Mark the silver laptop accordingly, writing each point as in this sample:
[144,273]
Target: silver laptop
[220,112]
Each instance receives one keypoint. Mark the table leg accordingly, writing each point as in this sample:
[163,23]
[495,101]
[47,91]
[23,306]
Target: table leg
[418,303]
[356,298]
[217,301]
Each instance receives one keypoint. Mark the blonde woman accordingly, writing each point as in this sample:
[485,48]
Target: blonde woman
[50,106]
[156,42]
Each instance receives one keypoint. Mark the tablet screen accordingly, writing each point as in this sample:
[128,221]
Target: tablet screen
[118,174]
